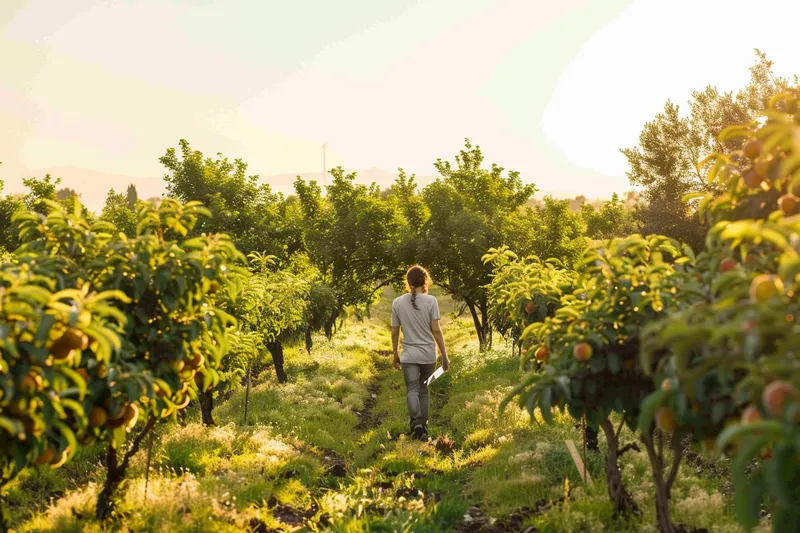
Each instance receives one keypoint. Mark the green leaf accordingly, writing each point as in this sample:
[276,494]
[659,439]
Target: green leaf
[614,363]
[546,405]
[648,412]
[748,497]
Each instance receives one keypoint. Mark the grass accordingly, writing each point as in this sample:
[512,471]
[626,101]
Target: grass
[328,451]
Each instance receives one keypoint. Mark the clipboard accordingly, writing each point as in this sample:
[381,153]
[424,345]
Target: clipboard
[438,372]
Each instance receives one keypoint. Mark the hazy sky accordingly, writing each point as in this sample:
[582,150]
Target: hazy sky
[553,89]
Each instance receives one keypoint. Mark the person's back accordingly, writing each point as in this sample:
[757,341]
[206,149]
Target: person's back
[417,314]
[419,346]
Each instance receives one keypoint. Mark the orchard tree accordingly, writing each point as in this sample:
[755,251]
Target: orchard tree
[665,161]
[727,368]
[131,196]
[613,219]
[174,337]
[472,209]
[39,191]
[352,236]
[118,212]
[50,340]
[240,206]
[524,291]
[590,345]
[558,231]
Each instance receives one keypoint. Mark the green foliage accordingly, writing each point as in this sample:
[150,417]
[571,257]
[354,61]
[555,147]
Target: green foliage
[613,219]
[271,303]
[733,354]
[240,206]
[665,161]
[118,211]
[49,338]
[621,285]
[352,236]
[524,291]
[472,209]
[558,232]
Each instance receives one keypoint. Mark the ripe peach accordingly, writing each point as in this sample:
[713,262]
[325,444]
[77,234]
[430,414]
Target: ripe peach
[750,415]
[729,263]
[775,397]
[752,179]
[752,148]
[543,354]
[582,351]
[98,416]
[761,166]
[47,456]
[788,203]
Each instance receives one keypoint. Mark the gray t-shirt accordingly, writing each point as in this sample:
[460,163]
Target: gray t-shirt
[419,346]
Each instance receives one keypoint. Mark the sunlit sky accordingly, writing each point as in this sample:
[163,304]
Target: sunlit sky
[552,89]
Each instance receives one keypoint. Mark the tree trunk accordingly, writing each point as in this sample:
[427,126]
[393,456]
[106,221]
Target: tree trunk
[663,485]
[276,349]
[105,500]
[478,326]
[115,472]
[485,324]
[206,406]
[617,492]
[309,341]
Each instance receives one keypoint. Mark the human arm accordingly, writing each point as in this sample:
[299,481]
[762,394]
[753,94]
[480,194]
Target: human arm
[395,345]
[436,329]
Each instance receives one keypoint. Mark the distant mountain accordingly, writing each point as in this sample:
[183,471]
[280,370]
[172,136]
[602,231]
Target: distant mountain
[93,186]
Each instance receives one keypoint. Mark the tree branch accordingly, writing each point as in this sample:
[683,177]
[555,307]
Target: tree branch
[628,447]
[151,422]
[380,286]
[621,425]
[677,454]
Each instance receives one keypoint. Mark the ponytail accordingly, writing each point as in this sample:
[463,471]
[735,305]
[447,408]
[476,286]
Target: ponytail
[416,278]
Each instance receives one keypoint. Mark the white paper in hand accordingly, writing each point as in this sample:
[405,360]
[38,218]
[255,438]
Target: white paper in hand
[439,371]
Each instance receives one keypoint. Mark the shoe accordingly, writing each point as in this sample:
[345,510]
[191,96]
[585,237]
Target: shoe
[419,432]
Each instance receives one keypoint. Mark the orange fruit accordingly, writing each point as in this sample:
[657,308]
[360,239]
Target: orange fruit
[752,148]
[776,395]
[582,351]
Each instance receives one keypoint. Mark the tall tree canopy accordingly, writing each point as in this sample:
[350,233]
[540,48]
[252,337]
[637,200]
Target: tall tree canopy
[472,209]
[240,205]
[670,146]
[352,235]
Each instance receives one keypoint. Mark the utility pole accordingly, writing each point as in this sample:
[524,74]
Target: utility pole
[324,167]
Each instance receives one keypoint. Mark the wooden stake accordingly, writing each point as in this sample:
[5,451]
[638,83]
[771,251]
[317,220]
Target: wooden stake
[147,470]
[578,463]
[247,394]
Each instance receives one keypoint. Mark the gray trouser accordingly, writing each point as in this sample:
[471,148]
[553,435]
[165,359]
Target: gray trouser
[417,392]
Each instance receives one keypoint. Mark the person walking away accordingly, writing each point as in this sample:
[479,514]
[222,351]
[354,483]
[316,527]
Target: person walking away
[417,314]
